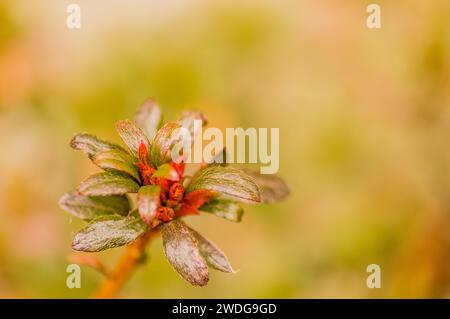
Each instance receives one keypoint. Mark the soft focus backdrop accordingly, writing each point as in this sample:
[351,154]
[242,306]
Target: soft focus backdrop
[364,118]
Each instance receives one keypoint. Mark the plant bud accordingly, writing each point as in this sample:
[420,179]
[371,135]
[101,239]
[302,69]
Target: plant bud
[176,192]
[165,214]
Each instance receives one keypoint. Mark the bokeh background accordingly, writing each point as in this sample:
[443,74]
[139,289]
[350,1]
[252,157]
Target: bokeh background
[364,118]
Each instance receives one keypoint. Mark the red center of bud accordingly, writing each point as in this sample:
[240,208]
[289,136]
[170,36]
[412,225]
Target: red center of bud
[176,192]
[144,164]
[165,214]
[173,200]
[171,193]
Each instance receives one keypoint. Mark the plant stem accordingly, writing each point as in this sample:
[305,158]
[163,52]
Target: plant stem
[127,264]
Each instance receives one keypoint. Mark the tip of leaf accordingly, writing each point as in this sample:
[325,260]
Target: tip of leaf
[121,123]
[199,282]
[235,271]
[76,245]
[204,283]
[228,270]
[62,201]
[75,141]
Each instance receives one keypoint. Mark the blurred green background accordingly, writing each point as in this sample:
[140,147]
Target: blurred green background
[364,118]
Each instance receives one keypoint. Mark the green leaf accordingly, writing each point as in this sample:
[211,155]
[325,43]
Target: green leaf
[149,118]
[214,257]
[230,182]
[90,207]
[92,145]
[104,154]
[117,160]
[165,139]
[167,171]
[108,232]
[108,183]
[132,136]
[148,202]
[271,187]
[183,253]
[224,208]
[187,120]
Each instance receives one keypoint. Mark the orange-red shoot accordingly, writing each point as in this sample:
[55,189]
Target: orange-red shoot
[173,200]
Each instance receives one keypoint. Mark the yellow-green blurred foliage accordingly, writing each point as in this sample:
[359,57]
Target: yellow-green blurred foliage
[364,118]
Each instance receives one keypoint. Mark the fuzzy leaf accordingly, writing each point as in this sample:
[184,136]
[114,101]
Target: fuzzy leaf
[148,202]
[271,187]
[187,121]
[132,136]
[164,140]
[230,182]
[149,118]
[117,160]
[183,253]
[214,257]
[92,145]
[224,208]
[90,207]
[109,232]
[168,172]
[108,183]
